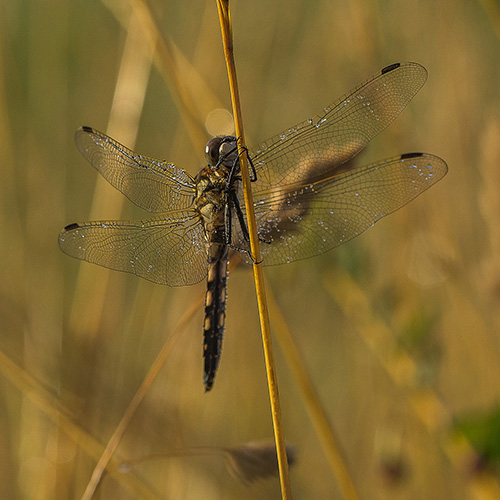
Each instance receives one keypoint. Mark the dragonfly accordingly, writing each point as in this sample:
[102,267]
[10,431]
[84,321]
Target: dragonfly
[308,197]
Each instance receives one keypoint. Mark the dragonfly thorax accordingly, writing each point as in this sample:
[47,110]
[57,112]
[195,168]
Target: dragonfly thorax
[210,192]
[215,181]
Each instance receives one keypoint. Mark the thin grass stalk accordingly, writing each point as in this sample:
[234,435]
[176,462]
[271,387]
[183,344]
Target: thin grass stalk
[310,398]
[248,462]
[227,39]
[150,377]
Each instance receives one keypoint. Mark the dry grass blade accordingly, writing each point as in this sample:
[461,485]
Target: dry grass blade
[227,38]
[253,461]
[248,462]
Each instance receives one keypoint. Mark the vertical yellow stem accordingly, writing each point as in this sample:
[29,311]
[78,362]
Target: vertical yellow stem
[227,38]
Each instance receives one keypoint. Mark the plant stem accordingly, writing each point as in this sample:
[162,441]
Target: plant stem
[227,38]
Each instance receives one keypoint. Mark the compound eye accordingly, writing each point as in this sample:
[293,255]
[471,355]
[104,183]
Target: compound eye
[212,150]
[227,147]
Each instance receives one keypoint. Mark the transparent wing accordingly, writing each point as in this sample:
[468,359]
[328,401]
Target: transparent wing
[300,220]
[170,249]
[343,129]
[156,186]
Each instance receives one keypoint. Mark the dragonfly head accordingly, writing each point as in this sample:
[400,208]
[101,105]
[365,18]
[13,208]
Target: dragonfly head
[219,149]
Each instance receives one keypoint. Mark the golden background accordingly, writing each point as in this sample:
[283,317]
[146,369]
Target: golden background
[398,329]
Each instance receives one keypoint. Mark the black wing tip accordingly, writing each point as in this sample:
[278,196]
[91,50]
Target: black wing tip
[70,227]
[415,66]
[83,130]
[389,68]
[407,156]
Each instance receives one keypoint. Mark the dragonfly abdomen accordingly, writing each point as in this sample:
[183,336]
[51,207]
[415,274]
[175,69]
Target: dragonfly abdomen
[215,311]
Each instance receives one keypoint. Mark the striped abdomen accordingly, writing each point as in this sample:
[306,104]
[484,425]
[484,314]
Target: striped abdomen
[211,202]
[215,310]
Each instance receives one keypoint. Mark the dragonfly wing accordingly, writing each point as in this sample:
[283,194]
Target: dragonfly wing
[156,186]
[170,249]
[323,143]
[301,220]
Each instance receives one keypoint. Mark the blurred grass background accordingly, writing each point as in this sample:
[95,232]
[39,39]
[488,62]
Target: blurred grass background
[399,329]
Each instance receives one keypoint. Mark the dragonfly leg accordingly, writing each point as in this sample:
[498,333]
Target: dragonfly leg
[253,172]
